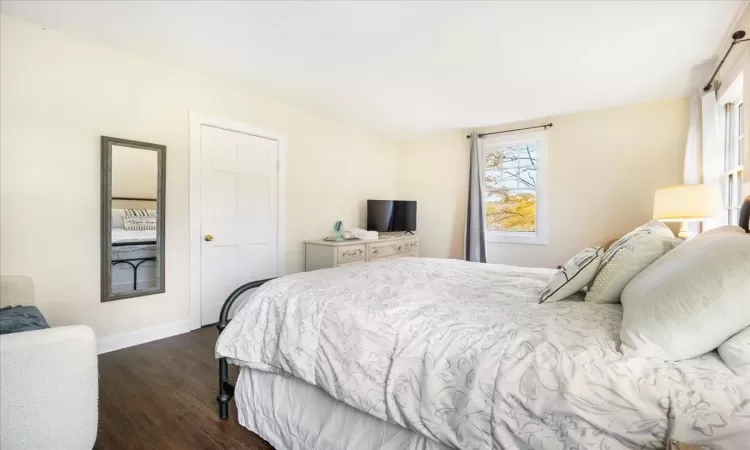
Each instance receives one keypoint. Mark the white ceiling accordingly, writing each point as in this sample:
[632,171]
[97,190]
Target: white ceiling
[403,67]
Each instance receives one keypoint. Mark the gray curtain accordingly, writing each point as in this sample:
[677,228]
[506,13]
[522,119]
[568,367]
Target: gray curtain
[474,248]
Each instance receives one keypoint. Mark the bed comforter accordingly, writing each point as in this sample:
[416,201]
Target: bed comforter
[464,354]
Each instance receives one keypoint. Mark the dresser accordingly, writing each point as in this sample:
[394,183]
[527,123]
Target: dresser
[322,254]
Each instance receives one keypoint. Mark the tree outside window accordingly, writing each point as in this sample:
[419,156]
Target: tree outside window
[511,187]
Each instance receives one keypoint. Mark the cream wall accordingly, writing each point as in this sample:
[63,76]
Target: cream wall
[603,169]
[134,172]
[59,94]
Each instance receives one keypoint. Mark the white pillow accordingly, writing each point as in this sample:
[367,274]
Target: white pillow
[655,227]
[689,301]
[724,230]
[139,223]
[625,259]
[735,352]
[575,275]
[671,243]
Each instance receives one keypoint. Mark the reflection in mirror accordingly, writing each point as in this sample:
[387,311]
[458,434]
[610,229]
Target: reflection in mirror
[133,218]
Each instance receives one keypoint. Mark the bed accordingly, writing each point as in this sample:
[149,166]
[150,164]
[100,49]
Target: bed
[133,256]
[439,354]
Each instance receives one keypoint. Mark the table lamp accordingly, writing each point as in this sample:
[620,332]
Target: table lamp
[686,203]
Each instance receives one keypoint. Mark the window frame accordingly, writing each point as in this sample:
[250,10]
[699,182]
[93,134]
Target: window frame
[732,173]
[541,235]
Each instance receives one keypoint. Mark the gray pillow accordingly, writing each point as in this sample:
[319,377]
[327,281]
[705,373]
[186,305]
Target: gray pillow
[14,319]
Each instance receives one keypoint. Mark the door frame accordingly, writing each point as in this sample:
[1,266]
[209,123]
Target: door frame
[196,121]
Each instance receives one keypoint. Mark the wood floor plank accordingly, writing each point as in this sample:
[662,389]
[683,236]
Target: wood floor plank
[116,431]
[162,395]
[228,433]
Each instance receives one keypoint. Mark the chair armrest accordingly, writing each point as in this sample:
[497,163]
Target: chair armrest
[49,389]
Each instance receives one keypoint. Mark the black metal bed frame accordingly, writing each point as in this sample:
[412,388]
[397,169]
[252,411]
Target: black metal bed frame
[129,261]
[226,388]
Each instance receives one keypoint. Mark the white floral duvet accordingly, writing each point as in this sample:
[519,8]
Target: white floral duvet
[463,353]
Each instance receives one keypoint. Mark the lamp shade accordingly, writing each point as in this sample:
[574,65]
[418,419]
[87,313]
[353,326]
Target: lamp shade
[686,202]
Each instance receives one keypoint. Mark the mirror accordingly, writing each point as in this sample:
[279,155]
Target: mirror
[132,222]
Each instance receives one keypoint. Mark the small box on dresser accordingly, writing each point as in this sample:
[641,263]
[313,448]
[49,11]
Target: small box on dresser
[322,254]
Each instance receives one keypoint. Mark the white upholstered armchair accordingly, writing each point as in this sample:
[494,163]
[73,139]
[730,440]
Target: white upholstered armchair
[48,381]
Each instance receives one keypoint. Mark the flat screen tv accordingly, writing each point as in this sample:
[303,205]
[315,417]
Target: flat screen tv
[391,215]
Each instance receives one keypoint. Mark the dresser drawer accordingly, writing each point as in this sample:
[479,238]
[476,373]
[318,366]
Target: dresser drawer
[350,254]
[406,247]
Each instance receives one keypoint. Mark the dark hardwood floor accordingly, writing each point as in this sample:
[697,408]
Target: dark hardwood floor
[162,395]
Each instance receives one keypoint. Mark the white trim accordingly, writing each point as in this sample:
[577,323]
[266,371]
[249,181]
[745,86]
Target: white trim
[541,236]
[196,121]
[732,92]
[137,337]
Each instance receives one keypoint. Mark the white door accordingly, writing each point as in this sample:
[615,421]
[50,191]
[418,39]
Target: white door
[239,214]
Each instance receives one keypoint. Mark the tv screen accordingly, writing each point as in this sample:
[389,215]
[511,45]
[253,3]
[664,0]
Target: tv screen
[391,215]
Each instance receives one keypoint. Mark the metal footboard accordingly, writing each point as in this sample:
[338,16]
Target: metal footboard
[226,388]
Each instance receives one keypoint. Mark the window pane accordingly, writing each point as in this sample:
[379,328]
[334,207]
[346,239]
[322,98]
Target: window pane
[738,194]
[510,158]
[510,181]
[741,152]
[728,135]
[527,154]
[527,177]
[513,211]
[493,159]
[740,119]
[731,190]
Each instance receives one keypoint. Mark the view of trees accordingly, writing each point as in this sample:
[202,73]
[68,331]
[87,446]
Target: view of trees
[510,184]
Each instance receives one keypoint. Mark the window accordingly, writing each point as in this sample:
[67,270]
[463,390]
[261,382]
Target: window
[733,161]
[515,183]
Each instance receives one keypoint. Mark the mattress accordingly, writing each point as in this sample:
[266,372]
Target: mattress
[463,353]
[293,415]
[121,235]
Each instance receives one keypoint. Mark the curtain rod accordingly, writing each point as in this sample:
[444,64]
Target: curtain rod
[549,125]
[736,39]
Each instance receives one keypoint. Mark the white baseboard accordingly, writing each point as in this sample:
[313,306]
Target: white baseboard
[129,339]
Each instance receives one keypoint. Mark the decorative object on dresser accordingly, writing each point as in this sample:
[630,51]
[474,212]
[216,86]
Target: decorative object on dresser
[338,231]
[322,254]
[686,203]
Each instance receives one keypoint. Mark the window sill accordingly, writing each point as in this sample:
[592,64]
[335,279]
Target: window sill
[515,238]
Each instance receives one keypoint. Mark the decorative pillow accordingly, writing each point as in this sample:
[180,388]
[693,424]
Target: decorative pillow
[136,213]
[655,227]
[139,223]
[735,352]
[573,276]
[689,301]
[625,259]
[671,243]
[14,319]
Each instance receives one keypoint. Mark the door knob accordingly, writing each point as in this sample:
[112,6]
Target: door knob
[208,238]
